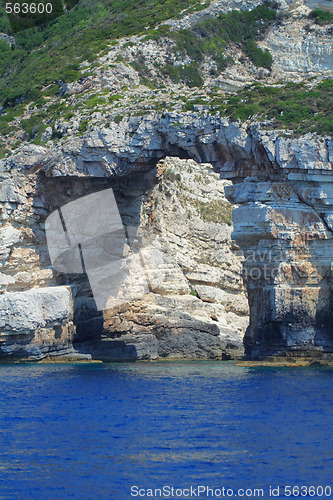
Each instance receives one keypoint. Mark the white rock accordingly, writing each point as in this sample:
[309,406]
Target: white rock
[9,236]
[33,309]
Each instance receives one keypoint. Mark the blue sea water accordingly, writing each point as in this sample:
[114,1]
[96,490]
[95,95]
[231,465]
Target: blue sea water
[87,431]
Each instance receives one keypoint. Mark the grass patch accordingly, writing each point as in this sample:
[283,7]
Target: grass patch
[216,211]
[292,106]
[211,37]
[321,17]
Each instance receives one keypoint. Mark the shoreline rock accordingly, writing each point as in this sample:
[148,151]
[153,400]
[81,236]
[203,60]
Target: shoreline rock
[283,189]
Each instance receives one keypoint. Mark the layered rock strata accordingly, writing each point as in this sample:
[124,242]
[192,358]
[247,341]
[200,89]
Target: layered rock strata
[37,323]
[199,310]
[282,186]
[286,235]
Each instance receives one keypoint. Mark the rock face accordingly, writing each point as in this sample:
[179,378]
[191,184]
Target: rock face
[283,225]
[300,49]
[36,323]
[177,175]
[199,310]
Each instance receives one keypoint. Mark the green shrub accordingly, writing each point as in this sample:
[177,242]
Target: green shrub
[56,134]
[83,126]
[171,176]
[188,74]
[51,91]
[34,125]
[118,118]
[33,95]
[188,43]
[3,150]
[55,109]
[326,84]
[292,112]
[68,116]
[244,112]
[94,101]
[321,17]
[291,105]
[216,211]
[40,103]
[7,117]
[5,129]
[189,105]
[114,97]
[259,57]
[69,73]
[325,125]
[151,84]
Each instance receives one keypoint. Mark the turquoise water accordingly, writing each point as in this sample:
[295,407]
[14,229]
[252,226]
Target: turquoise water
[93,431]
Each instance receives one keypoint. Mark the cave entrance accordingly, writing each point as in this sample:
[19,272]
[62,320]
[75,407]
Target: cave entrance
[199,310]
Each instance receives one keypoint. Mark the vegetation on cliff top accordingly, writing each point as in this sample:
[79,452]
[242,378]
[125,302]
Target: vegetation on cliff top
[321,17]
[54,51]
[303,107]
[300,107]
[210,37]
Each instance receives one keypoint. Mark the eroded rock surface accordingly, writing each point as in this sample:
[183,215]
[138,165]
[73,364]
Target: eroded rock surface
[283,226]
[37,323]
[280,244]
[198,311]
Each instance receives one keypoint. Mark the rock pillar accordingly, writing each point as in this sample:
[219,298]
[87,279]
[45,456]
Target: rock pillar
[285,231]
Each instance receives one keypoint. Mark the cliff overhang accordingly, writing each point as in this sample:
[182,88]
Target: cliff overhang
[282,186]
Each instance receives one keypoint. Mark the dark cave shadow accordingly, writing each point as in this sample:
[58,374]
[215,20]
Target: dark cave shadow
[107,350]
[130,192]
[323,337]
[53,193]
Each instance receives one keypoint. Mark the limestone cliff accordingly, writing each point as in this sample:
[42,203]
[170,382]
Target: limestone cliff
[200,309]
[283,226]
[265,275]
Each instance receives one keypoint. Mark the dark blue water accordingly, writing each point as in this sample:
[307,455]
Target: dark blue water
[93,431]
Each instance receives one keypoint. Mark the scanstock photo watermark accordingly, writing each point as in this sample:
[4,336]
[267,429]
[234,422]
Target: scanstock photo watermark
[262,264]
[123,263]
[205,491]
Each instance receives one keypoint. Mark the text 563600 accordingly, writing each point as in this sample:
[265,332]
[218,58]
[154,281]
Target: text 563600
[25,8]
